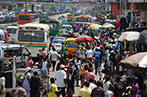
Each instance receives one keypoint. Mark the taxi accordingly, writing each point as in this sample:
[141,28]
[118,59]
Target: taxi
[70,45]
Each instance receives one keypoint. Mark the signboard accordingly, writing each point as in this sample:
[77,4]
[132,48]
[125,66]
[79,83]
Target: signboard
[86,0]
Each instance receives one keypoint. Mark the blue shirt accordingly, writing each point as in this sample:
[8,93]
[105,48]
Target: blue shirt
[97,55]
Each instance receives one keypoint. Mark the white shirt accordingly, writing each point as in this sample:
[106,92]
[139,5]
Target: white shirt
[44,66]
[89,53]
[54,55]
[106,85]
[92,86]
[2,82]
[60,76]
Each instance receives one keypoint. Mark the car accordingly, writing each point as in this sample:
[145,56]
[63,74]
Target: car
[2,18]
[57,43]
[66,29]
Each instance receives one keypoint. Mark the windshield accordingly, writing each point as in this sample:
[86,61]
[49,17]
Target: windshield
[57,41]
[31,36]
[71,44]
[67,27]
[70,16]
[82,20]
[11,30]
[53,26]
[24,18]
[2,37]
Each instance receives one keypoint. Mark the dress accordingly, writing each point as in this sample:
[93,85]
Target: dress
[26,84]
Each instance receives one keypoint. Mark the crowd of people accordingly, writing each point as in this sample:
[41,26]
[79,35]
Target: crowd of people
[94,67]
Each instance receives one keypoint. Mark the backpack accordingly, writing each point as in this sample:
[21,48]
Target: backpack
[98,92]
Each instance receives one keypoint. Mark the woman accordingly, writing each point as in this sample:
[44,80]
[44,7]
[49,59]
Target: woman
[26,84]
[29,62]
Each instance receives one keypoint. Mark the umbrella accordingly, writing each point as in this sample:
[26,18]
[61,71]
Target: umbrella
[107,25]
[136,61]
[93,26]
[84,39]
[143,37]
[129,36]
[97,29]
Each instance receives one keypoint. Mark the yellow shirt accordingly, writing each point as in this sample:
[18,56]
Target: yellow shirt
[85,92]
[52,91]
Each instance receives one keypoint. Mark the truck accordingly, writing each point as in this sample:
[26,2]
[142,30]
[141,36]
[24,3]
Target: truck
[14,75]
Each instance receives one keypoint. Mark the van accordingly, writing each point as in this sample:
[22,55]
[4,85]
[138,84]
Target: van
[70,45]
[2,37]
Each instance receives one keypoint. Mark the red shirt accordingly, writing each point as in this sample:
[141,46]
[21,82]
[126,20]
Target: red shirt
[89,75]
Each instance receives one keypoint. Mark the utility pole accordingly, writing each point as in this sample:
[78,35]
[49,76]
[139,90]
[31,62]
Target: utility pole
[120,7]
[25,5]
[132,18]
[125,6]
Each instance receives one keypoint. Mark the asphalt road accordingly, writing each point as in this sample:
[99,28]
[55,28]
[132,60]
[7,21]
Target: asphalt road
[77,89]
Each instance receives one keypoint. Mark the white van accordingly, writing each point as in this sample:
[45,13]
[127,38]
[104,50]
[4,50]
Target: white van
[2,37]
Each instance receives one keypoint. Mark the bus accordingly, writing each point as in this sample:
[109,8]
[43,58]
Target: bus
[35,36]
[55,26]
[82,20]
[24,18]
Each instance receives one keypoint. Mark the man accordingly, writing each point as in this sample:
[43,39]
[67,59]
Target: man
[60,78]
[63,50]
[97,60]
[78,53]
[119,87]
[2,84]
[89,54]
[98,91]
[34,85]
[107,83]
[92,85]
[85,91]
[90,75]
[53,88]
[53,57]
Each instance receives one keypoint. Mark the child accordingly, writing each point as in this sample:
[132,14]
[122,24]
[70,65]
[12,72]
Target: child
[53,89]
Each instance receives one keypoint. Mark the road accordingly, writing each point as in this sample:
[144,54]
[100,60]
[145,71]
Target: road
[77,89]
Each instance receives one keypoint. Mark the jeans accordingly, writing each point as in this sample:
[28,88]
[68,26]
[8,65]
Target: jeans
[54,63]
[97,66]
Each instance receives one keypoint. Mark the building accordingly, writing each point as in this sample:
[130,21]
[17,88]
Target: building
[5,6]
[121,7]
